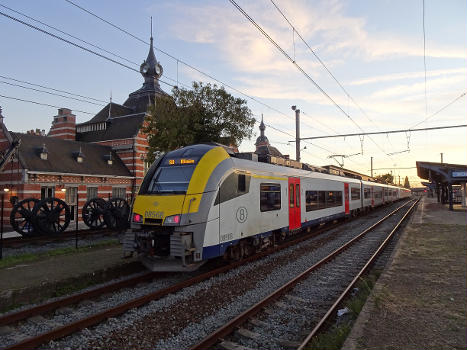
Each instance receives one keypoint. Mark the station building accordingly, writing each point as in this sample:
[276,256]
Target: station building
[104,156]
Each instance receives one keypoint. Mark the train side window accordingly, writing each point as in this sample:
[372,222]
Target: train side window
[297,195]
[291,195]
[354,193]
[338,198]
[270,197]
[311,200]
[241,183]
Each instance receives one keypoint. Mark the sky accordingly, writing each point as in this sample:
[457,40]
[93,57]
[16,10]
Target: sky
[374,49]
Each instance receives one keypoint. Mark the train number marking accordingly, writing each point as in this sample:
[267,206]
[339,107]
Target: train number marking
[154,214]
[226,237]
[242,214]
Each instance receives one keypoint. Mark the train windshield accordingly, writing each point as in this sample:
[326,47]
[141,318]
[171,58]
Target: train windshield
[171,179]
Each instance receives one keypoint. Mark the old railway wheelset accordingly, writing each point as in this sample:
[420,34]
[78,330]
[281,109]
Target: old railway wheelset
[33,217]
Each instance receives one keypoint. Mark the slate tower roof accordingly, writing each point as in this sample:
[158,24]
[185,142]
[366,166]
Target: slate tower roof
[151,70]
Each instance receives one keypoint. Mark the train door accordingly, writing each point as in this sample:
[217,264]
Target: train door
[372,196]
[294,203]
[346,198]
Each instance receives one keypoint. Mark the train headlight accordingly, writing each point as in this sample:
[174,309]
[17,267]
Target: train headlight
[172,220]
[138,218]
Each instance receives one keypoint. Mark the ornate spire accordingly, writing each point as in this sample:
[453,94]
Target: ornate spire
[151,69]
[262,139]
[262,127]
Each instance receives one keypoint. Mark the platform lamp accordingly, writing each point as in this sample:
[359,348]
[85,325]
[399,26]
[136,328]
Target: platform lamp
[5,190]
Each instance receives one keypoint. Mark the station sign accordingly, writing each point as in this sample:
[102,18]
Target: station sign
[459,173]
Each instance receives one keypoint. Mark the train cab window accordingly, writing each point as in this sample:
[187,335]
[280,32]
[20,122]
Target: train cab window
[233,186]
[171,179]
[297,195]
[291,195]
[270,197]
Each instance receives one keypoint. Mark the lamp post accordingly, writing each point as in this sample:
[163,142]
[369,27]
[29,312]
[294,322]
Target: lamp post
[5,190]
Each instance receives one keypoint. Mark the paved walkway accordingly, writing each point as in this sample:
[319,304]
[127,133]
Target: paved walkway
[419,301]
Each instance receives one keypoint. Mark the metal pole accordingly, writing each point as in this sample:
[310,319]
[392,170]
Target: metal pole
[1,226]
[76,221]
[297,134]
[441,158]
[371,167]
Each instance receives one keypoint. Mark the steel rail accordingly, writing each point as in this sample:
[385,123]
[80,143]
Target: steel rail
[75,298]
[334,306]
[70,328]
[229,327]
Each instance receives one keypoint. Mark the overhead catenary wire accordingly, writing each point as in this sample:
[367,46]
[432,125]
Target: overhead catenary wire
[323,64]
[440,110]
[49,88]
[42,104]
[180,61]
[51,93]
[424,54]
[384,132]
[74,44]
[68,34]
[286,55]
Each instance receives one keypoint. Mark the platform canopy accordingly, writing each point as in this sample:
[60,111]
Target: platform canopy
[442,172]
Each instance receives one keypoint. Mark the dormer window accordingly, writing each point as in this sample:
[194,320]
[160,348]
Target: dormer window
[79,156]
[109,159]
[43,152]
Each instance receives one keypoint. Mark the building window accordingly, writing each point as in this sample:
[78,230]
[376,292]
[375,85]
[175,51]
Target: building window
[270,197]
[70,195]
[119,192]
[354,193]
[91,192]
[47,192]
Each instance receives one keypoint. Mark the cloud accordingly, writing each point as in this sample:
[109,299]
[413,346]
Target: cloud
[406,75]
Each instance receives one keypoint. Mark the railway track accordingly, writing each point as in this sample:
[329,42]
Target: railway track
[60,330]
[311,298]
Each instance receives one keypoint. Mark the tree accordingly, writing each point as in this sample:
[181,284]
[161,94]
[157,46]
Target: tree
[406,182]
[206,113]
[386,178]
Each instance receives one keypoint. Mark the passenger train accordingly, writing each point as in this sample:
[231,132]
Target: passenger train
[201,202]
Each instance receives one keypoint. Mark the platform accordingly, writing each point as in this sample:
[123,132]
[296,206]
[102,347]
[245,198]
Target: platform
[33,281]
[419,300]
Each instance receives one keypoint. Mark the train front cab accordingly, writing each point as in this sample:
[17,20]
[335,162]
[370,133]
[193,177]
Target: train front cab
[170,212]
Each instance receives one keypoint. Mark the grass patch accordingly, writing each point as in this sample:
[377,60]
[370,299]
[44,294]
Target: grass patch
[29,257]
[334,337]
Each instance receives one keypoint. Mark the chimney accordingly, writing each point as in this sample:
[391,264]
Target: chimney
[63,125]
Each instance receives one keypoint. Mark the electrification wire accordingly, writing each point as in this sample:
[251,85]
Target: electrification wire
[68,34]
[424,55]
[74,44]
[207,75]
[440,110]
[51,93]
[324,65]
[42,104]
[278,47]
[49,88]
[178,60]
